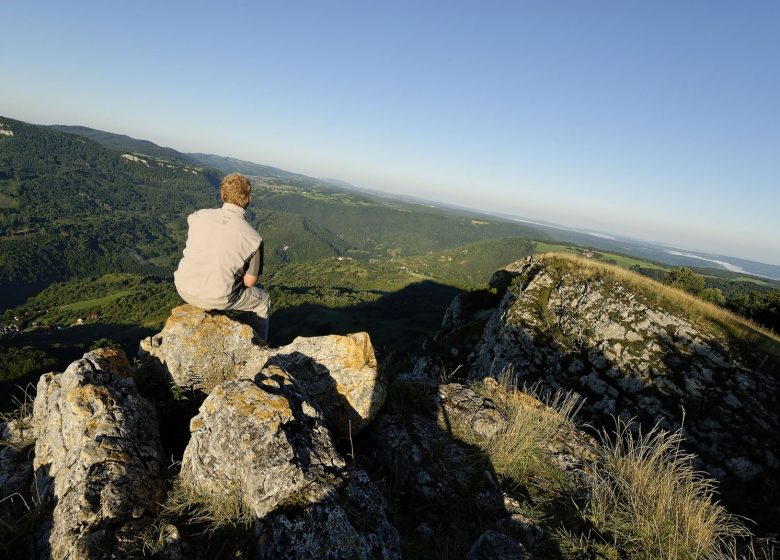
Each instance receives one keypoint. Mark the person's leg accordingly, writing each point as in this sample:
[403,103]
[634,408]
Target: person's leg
[257,302]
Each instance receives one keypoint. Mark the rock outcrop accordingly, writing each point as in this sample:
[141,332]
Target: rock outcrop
[264,443]
[633,354]
[199,350]
[98,453]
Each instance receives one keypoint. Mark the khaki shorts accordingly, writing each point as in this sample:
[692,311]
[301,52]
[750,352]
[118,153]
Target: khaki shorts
[252,299]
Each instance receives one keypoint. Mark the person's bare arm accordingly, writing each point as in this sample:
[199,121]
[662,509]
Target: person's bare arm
[249,280]
[253,268]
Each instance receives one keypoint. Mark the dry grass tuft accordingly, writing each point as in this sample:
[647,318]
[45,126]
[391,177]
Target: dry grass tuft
[214,511]
[519,450]
[20,420]
[646,495]
[220,524]
[20,519]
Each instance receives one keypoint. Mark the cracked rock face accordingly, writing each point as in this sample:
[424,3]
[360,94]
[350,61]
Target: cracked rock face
[200,350]
[98,453]
[350,523]
[262,441]
[632,355]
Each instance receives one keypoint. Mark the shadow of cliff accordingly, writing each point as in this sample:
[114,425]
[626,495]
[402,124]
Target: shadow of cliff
[441,492]
[396,321]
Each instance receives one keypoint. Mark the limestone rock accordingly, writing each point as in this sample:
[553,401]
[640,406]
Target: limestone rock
[200,350]
[263,442]
[630,352]
[350,524]
[458,403]
[495,546]
[98,452]
[339,373]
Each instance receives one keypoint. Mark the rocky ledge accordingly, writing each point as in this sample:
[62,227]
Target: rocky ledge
[631,352]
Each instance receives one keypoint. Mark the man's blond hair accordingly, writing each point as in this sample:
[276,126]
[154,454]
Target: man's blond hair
[236,188]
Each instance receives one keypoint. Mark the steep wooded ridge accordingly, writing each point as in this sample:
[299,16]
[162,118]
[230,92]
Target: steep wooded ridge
[71,208]
[215,445]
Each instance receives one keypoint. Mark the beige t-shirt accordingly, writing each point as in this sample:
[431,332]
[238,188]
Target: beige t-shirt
[220,247]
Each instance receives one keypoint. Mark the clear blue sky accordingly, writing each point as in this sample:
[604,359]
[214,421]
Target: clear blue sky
[659,120]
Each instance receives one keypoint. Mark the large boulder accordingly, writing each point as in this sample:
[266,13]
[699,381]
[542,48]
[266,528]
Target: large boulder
[199,350]
[263,443]
[341,375]
[98,452]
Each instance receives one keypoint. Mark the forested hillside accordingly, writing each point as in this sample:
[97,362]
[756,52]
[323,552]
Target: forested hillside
[71,207]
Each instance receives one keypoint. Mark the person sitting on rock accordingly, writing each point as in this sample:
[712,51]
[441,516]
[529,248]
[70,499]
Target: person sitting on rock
[223,258]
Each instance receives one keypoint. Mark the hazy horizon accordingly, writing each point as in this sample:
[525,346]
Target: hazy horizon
[445,203]
[654,122]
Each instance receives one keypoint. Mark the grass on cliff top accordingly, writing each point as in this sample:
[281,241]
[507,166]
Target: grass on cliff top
[687,305]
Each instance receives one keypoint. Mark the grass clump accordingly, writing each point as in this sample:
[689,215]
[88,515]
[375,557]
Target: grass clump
[639,495]
[650,502]
[519,449]
[218,525]
[20,518]
[18,421]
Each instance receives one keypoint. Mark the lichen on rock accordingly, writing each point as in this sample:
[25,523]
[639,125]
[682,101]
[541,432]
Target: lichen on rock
[98,454]
[199,350]
[264,442]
